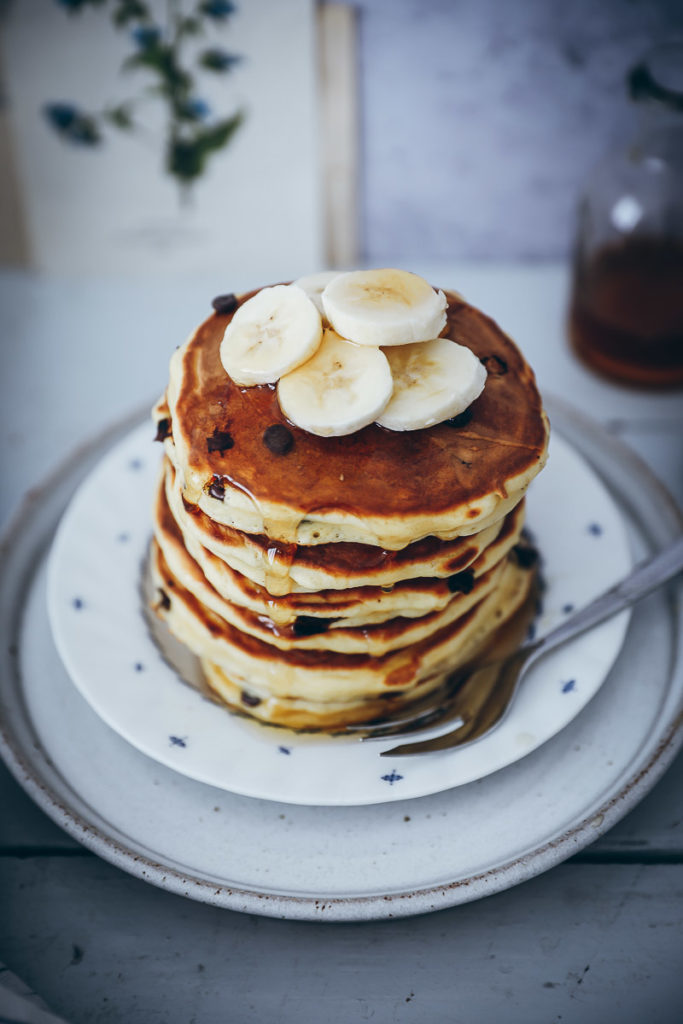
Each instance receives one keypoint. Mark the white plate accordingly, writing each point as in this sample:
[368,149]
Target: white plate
[103,637]
[340,863]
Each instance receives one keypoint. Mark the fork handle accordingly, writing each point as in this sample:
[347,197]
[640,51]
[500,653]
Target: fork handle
[646,577]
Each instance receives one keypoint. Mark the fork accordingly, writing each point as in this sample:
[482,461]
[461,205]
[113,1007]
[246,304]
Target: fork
[483,695]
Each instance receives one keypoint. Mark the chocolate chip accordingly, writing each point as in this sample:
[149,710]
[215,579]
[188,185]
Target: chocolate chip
[460,421]
[309,625]
[164,600]
[461,582]
[217,489]
[220,441]
[225,303]
[250,699]
[278,439]
[495,366]
[525,556]
[163,429]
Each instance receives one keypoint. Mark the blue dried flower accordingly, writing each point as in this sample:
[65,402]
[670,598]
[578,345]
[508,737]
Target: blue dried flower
[76,5]
[218,9]
[61,115]
[146,36]
[72,124]
[196,109]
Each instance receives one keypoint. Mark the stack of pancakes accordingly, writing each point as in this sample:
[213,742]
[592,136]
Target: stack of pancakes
[325,581]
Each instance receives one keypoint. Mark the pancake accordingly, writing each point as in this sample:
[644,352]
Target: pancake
[304,620]
[374,632]
[316,678]
[375,486]
[295,569]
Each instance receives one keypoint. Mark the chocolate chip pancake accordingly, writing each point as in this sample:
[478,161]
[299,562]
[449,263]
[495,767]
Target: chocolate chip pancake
[375,486]
[372,619]
[230,557]
[329,689]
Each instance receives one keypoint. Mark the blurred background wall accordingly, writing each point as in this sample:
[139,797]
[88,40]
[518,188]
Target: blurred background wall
[388,131]
[482,117]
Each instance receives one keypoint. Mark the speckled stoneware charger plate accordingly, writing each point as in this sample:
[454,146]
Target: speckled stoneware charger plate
[126,675]
[395,857]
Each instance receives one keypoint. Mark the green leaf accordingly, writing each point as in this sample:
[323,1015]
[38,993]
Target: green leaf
[187,156]
[129,10]
[190,27]
[218,60]
[218,135]
[185,159]
[161,59]
[120,116]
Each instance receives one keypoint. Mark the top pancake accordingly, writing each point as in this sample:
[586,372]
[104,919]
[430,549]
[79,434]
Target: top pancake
[375,486]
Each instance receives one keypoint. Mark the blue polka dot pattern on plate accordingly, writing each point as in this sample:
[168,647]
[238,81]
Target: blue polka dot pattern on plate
[392,777]
[178,741]
[284,750]
[567,608]
[135,464]
[595,529]
[139,667]
[78,603]
[569,686]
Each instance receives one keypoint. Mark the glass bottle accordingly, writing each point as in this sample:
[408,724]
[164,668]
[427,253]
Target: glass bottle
[626,308]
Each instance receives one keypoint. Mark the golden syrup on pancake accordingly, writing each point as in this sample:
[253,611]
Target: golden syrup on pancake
[279,560]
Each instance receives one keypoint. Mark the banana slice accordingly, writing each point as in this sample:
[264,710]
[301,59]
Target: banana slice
[315,284]
[384,307]
[433,381]
[342,388]
[276,330]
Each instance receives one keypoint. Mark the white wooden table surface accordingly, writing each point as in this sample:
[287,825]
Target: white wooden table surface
[596,940]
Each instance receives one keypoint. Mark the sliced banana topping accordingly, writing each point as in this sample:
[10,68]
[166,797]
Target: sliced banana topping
[315,284]
[384,307]
[275,331]
[349,349]
[433,381]
[342,388]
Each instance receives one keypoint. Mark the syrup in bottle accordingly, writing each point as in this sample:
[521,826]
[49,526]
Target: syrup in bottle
[626,308]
